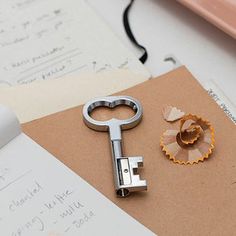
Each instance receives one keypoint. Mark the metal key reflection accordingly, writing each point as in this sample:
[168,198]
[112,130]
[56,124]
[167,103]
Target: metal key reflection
[124,168]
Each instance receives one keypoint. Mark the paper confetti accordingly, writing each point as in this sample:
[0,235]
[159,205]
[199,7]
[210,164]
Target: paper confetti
[172,113]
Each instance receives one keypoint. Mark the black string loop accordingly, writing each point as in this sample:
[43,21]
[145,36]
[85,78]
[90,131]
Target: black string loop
[130,34]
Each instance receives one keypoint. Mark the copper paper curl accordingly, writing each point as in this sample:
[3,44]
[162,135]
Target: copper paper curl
[193,142]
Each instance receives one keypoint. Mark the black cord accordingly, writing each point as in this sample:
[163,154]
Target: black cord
[130,34]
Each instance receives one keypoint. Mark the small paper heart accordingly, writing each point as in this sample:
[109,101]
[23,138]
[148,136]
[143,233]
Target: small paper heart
[172,113]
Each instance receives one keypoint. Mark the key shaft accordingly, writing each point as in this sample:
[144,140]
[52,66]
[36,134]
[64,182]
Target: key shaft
[126,180]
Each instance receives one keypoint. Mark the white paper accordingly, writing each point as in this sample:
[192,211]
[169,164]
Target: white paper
[221,99]
[9,126]
[49,39]
[41,196]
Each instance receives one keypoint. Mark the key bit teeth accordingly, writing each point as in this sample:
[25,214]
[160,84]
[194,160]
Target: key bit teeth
[140,164]
[135,171]
[135,162]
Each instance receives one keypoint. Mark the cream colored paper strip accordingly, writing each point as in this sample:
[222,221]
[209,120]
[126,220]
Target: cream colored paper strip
[38,99]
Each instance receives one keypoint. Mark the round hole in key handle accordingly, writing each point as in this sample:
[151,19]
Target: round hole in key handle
[124,168]
[112,102]
[120,112]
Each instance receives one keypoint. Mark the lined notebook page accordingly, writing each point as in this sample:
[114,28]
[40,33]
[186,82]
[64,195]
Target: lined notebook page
[49,39]
[41,196]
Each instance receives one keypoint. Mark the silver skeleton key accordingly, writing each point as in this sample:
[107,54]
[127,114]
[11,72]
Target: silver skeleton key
[124,168]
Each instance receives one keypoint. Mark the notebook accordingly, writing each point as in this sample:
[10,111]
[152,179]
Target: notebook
[181,200]
[50,39]
[56,54]
[41,196]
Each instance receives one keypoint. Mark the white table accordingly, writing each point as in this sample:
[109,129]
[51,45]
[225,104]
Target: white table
[164,27]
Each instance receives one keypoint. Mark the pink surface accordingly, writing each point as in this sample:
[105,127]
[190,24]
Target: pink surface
[221,13]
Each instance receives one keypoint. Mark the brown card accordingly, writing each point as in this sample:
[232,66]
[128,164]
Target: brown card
[181,200]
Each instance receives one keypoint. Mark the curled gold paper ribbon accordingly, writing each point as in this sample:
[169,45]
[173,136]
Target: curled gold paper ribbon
[193,142]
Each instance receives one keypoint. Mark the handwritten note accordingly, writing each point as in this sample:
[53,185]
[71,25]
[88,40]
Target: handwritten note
[49,39]
[41,196]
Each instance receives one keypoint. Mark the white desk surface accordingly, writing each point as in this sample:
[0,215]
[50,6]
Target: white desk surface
[167,27]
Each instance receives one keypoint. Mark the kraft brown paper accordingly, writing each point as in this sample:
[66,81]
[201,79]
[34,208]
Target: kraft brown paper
[181,200]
